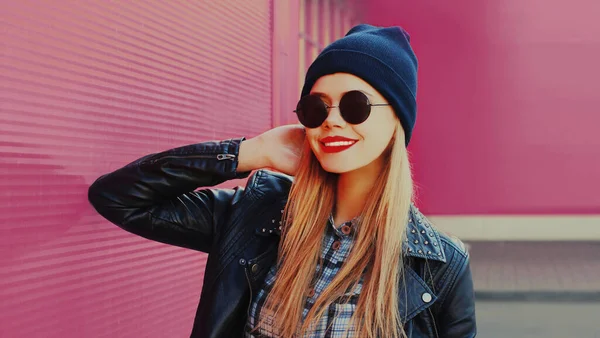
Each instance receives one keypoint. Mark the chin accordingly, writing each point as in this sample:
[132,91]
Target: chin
[337,163]
[337,167]
[334,169]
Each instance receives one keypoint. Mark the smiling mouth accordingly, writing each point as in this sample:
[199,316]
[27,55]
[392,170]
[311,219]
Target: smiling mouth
[339,143]
[336,146]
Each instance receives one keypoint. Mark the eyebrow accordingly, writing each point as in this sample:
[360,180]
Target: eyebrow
[320,94]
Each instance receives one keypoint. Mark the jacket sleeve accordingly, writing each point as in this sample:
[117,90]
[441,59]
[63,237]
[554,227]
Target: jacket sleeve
[154,196]
[457,315]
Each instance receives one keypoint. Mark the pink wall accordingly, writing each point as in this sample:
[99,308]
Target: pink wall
[86,88]
[508,104]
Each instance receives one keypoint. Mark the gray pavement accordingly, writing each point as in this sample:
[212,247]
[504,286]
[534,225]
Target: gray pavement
[537,289]
[538,319]
[536,270]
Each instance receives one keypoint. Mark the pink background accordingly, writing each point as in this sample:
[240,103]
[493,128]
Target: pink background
[508,104]
[88,87]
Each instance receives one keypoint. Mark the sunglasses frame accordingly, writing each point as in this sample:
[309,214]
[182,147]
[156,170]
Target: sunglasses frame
[328,107]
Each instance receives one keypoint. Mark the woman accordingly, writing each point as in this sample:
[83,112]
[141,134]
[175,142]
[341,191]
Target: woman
[340,251]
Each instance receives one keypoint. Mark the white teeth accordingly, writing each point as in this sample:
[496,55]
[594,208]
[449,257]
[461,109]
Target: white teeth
[339,143]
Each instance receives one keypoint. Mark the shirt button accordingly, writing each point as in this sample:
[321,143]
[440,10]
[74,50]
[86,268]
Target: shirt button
[346,230]
[336,245]
[426,297]
[254,268]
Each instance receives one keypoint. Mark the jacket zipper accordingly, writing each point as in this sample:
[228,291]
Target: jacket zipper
[434,323]
[220,157]
[250,301]
[250,288]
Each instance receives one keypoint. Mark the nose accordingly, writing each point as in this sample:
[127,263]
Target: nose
[334,118]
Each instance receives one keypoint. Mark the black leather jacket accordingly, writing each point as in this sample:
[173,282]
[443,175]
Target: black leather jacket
[154,197]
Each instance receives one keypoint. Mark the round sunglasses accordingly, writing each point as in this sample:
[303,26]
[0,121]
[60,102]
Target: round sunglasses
[354,107]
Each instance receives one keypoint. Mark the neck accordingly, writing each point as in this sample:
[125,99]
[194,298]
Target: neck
[353,189]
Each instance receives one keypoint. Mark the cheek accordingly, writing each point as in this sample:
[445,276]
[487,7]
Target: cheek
[378,131]
[313,138]
[311,135]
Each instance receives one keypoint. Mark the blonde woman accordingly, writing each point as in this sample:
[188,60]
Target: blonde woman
[337,251]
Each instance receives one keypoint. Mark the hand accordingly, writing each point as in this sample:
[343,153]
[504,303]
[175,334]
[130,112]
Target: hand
[279,148]
[284,147]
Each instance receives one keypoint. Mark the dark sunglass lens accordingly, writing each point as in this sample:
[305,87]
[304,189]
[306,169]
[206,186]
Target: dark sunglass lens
[311,111]
[355,107]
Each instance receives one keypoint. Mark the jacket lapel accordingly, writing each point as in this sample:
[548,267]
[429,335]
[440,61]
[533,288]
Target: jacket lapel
[422,243]
[414,295]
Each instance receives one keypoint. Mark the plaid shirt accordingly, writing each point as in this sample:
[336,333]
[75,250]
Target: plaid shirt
[336,247]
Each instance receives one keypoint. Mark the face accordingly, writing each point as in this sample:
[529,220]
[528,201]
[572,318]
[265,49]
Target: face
[340,146]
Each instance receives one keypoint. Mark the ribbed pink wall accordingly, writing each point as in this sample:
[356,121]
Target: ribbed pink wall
[86,88]
[508,104]
[285,89]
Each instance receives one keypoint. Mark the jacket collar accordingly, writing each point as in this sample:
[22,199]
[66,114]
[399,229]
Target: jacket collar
[422,239]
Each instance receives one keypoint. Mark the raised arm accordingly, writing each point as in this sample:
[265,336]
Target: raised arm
[154,196]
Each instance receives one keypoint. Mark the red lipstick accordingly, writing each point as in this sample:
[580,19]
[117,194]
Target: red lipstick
[336,144]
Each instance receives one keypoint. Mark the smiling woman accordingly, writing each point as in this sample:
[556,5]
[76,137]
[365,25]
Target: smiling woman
[338,250]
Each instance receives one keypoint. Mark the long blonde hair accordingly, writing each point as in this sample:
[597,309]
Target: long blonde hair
[376,252]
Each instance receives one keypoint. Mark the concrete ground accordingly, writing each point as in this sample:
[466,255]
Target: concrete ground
[510,319]
[537,289]
[536,270]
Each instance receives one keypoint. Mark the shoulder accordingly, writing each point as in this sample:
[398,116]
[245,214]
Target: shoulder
[266,183]
[440,259]
[450,281]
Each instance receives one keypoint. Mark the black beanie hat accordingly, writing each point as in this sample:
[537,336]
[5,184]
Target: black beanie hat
[382,57]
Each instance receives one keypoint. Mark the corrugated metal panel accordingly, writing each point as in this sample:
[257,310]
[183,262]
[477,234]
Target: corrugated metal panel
[88,87]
